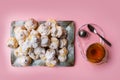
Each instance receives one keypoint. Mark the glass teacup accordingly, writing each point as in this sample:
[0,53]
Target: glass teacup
[92,47]
[96,53]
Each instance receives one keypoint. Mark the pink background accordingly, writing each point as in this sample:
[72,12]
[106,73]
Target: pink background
[105,13]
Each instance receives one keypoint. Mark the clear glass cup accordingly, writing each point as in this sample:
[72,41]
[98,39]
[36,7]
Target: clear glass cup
[85,42]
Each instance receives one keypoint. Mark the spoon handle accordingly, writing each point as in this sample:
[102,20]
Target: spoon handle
[106,41]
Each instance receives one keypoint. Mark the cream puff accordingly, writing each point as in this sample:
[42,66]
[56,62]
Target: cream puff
[53,31]
[45,41]
[63,43]
[40,52]
[44,30]
[31,24]
[59,31]
[62,58]
[18,52]
[63,51]
[35,33]
[21,34]
[54,43]
[22,61]
[12,42]
[33,55]
[35,41]
[50,54]
[51,63]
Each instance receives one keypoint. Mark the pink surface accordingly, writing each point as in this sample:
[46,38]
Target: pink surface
[104,13]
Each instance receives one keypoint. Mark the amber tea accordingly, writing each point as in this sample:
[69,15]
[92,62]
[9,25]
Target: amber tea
[95,53]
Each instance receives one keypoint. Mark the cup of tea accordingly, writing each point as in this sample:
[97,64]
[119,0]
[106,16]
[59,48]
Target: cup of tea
[91,46]
[96,53]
